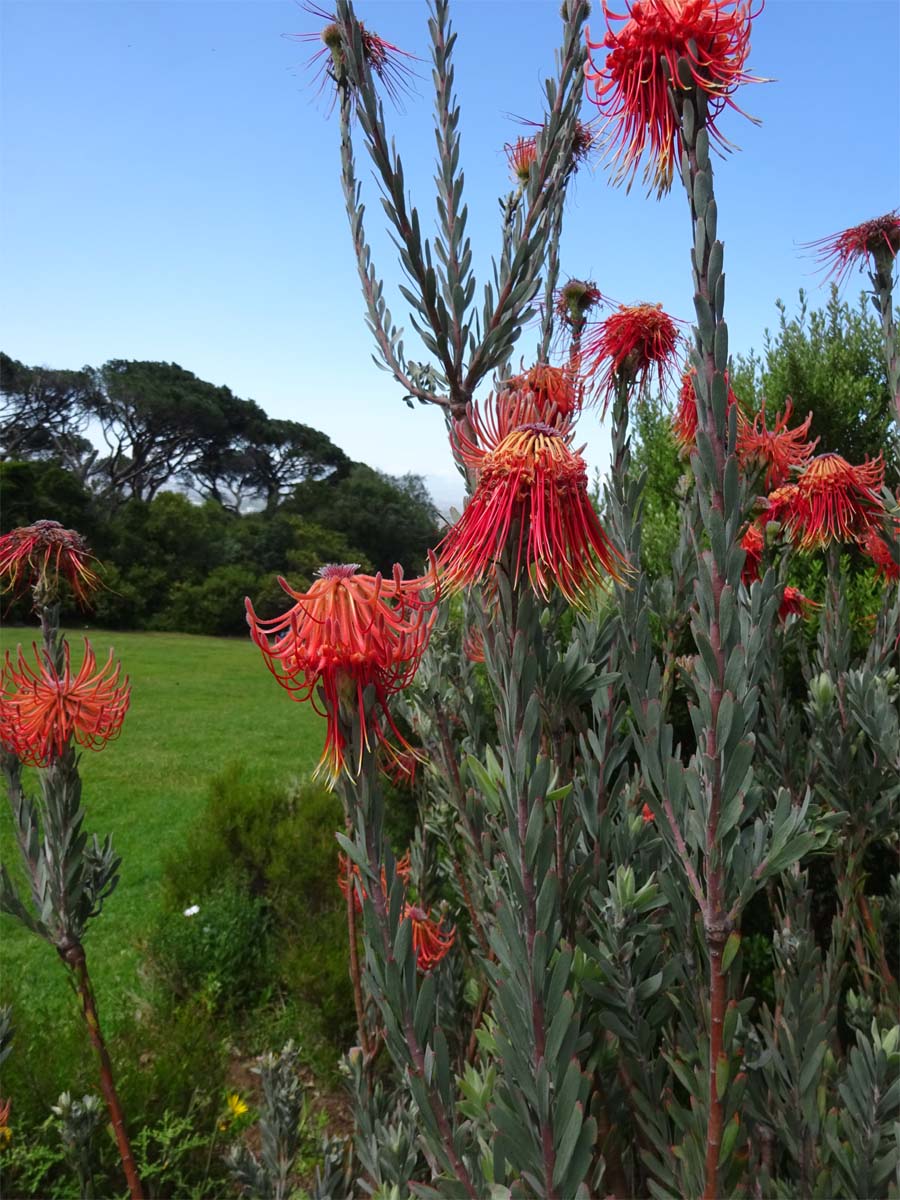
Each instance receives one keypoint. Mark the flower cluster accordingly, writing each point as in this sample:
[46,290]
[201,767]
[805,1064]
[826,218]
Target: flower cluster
[348,633]
[430,939]
[666,47]
[42,709]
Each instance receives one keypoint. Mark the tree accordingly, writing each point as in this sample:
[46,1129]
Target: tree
[45,413]
[390,519]
[830,362]
[225,469]
[284,454]
[155,418]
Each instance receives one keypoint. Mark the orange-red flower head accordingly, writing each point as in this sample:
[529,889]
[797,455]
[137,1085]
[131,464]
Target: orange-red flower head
[521,156]
[532,487]
[686,419]
[347,633]
[37,556]
[832,501]
[41,710]
[840,252]
[794,603]
[473,645]
[753,543]
[631,345]
[684,424]
[429,938]
[778,450]
[879,551]
[632,86]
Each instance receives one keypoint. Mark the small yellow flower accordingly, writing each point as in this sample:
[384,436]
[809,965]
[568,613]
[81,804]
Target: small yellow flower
[236,1106]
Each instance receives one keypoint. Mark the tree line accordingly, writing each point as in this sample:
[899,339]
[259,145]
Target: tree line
[190,495]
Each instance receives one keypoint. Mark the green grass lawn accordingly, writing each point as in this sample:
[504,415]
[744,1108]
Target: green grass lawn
[197,704]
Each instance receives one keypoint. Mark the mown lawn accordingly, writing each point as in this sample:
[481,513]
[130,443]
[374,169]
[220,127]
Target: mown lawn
[197,704]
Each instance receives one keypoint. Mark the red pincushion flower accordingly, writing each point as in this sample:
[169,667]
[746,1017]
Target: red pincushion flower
[833,501]
[753,544]
[632,87]
[39,555]
[794,603]
[383,58]
[633,343]
[531,484]
[686,419]
[42,710]
[684,425]
[349,874]
[521,156]
[521,153]
[347,633]
[880,553]
[840,252]
[778,450]
[429,938]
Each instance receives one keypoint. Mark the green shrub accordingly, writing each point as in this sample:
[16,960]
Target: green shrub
[214,606]
[276,844]
[216,949]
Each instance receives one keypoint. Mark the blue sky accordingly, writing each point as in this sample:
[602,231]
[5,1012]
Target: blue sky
[170,191]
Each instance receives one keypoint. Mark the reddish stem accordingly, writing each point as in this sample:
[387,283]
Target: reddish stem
[354,966]
[74,958]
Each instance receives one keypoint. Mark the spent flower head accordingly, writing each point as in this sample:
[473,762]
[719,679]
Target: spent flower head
[840,252]
[660,49]
[383,58]
[575,300]
[36,557]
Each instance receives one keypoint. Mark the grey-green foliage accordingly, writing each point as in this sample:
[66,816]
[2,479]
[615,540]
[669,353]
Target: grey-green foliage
[466,342]
[77,1122]
[268,1175]
[69,875]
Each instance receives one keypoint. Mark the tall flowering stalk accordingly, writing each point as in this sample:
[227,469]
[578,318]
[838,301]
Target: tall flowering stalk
[671,69]
[873,244]
[45,709]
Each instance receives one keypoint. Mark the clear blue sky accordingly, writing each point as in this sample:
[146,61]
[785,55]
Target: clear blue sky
[170,191]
